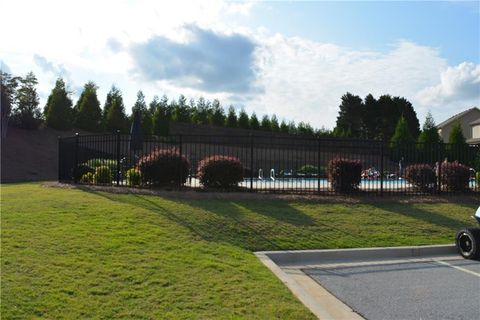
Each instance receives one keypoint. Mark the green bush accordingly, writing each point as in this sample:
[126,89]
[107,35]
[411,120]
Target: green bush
[344,175]
[421,176]
[163,166]
[98,162]
[87,178]
[455,176]
[83,169]
[220,171]
[477,177]
[103,174]
[310,169]
[134,177]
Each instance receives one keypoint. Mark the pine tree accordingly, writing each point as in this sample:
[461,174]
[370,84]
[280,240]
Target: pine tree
[292,127]
[8,85]
[253,122]
[283,127]
[181,111]
[58,110]
[266,125]
[456,135]
[26,113]
[114,110]
[243,120]
[161,118]
[231,121]
[402,135]
[218,115]
[429,134]
[89,113]
[140,105]
[201,111]
[349,116]
[274,124]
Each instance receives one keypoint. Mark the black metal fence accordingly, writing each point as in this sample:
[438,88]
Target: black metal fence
[272,164]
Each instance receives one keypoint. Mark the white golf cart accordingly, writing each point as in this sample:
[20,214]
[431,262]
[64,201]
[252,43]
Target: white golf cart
[468,240]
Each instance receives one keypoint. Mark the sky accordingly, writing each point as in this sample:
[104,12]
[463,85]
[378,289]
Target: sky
[293,59]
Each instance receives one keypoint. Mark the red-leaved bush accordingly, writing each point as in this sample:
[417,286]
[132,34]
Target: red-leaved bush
[421,175]
[344,175]
[454,176]
[220,171]
[163,166]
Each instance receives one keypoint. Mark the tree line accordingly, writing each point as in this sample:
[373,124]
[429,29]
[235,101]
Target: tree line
[21,97]
[386,118]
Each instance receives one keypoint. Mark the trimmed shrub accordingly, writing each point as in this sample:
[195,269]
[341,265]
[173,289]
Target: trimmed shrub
[344,175]
[134,177]
[103,174]
[87,178]
[83,169]
[454,176]
[421,175]
[308,169]
[98,162]
[163,166]
[220,171]
[477,178]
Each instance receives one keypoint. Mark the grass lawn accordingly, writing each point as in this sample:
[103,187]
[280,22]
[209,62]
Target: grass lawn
[78,254]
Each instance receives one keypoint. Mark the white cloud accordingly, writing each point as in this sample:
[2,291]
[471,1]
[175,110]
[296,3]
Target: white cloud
[304,80]
[300,79]
[458,83]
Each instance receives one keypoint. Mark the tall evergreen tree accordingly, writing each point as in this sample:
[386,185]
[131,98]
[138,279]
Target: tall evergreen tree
[349,116]
[161,117]
[181,111]
[8,86]
[402,135]
[456,135]
[429,134]
[305,129]
[274,124]
[58,110]
[292,127]
[253,122]
[26,113]
[89,113]
[140,106]
[231,121]
[266,125]
[114,110]
[200,113]
[458,149]
[218,115]
[153,105]
[283,127]
[243,120]
[371,119]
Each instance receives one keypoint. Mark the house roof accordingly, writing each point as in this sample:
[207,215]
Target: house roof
[456,117]
[475,122]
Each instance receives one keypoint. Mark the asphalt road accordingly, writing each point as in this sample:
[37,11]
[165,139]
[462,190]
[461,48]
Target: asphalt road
[443,289]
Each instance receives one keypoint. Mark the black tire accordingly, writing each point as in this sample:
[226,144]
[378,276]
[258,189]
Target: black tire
[468,243]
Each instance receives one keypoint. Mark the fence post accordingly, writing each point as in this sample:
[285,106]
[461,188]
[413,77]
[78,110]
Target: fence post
[439,169]
[381,167]
[318,166]
[180,162]
[75,159]
[59,158]
[251,162]
[118,156]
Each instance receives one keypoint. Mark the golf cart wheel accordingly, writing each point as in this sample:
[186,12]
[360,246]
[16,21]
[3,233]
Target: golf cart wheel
[468,243]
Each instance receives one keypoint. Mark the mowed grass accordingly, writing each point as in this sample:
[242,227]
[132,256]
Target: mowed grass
[82,254]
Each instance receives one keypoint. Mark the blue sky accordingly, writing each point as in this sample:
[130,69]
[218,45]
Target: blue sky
[292,59]
[453,27]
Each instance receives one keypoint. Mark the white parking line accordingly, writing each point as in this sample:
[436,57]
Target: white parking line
[458,268]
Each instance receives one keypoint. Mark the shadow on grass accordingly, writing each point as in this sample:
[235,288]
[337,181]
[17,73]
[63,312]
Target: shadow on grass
[412,211]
